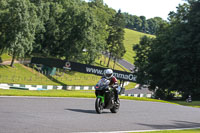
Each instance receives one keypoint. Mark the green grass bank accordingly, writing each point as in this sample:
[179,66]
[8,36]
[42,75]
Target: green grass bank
[64,93]
[21,74]
[130,39]
[175,131]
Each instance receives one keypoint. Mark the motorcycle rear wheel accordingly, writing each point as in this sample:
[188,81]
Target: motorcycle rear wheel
[99,105]
[115,108]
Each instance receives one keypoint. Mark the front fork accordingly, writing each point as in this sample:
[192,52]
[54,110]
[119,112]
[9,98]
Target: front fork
[102,98]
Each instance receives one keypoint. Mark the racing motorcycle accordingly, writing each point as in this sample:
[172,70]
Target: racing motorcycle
[105,98]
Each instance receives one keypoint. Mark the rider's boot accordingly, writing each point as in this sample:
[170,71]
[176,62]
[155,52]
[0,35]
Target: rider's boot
[116,97]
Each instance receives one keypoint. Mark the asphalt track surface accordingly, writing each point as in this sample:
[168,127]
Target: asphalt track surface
[63,115]
[126,64]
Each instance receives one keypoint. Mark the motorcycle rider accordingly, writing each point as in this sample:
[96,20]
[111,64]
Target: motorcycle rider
[108,74]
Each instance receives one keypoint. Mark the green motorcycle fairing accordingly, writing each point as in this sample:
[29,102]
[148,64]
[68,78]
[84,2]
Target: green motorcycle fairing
[102,98]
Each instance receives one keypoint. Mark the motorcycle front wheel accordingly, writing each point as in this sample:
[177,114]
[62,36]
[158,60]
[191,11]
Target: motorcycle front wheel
[98,105]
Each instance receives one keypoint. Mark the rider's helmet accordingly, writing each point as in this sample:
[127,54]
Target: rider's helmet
[108,73]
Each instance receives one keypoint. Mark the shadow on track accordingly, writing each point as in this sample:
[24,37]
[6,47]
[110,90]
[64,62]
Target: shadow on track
[83,111]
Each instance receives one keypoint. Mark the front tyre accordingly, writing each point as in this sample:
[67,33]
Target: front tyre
[115,108]
[98,105]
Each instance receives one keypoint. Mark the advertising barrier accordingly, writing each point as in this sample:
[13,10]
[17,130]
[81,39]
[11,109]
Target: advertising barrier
[83,68]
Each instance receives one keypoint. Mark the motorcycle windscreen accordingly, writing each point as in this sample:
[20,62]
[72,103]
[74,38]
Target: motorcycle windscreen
[102,84]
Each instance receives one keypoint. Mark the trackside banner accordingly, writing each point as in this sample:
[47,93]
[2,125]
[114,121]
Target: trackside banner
[84,68]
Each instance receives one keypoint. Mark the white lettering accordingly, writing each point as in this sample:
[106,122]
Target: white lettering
[94,71]
[129,77]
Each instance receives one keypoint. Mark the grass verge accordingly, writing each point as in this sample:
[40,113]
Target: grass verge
[131,85]
[48,93]
[174,131]
[195,104]
[64,93]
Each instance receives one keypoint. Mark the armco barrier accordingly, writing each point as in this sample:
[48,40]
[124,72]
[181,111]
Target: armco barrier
[53,87]
[44,87]
[138,95]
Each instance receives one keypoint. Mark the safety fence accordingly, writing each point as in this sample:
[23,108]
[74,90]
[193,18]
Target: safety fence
[138,95]
[54,87]
[44,87]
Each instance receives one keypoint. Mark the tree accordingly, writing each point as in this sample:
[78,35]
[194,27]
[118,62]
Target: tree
[119,49]
[102,14]
[43,21]
[74,30]
[141,61]
[172,59]
[144,24]
[3,24]
[20,28]
[154,24]
[115,39]
[47,35]
[79,34]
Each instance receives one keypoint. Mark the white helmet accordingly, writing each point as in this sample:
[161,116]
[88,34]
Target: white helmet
[108,73]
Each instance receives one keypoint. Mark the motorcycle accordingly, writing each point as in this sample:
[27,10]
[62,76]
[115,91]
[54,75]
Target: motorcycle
[105,98]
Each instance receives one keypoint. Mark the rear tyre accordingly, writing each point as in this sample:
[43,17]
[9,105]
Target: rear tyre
[115,108]
[98,105]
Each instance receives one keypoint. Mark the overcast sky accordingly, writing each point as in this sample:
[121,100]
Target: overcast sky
[147,8]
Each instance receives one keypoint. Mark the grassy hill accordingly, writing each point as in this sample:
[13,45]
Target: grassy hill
[21,74]
[5,57]
[24,75]
[132,37]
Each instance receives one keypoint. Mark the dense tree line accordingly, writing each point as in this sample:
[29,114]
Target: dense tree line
[142,24]
[68,29]
[171,62]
